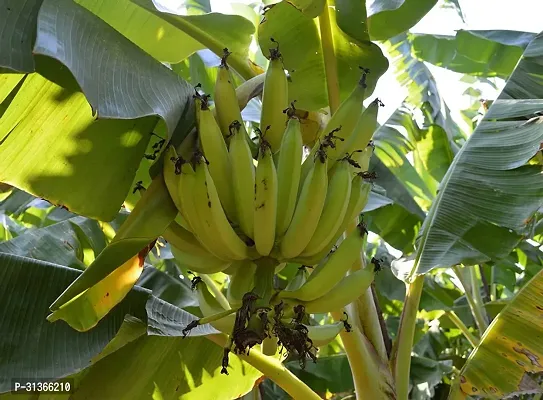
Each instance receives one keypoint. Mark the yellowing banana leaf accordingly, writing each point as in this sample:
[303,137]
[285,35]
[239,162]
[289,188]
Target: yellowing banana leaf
[301,49]
[510,350]
[164,41]
[487,198]
[152,214]
[87,309]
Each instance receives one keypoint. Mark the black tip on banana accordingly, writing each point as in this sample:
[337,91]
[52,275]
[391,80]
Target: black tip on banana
[275,54]
[365,72]
[377,264]
[346,325]
[226,53]
[378,102]
[362,228]
[367,175]
[194,282]
[139,186]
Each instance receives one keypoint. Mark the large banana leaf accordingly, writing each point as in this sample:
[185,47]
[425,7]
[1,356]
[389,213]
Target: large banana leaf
[482,53]
[488,196]
[510,350]
[32,347]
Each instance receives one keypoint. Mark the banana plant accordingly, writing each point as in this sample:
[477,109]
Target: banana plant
[255,224]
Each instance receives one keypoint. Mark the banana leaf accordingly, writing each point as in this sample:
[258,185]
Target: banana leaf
[486,200]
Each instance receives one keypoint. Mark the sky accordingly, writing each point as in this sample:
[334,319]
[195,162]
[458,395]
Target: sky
[518,15]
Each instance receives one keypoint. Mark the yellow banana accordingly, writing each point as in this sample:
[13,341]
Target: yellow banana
[335,207]
[226,101]
[321,335]
[265,206]
[241,282]
[274,100]
[288,174]
[346,291]
[363,131]
[329,273]
[308,209]
[216,153]
[218,234]
[341,125]
[243,178]
[189,252]
[210,306]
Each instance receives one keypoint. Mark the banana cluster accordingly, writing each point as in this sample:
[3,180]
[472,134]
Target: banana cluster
[242,199]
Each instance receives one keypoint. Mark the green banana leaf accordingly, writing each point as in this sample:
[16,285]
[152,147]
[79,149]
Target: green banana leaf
[510,350]
[388,18]
[35,347]
[164,41]
[488,196]
[301,49]
[481,53]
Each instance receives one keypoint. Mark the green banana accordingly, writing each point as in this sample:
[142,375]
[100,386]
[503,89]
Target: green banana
[226,101]
[241,282]
[346,291]
[269,346]
[329,273]
[209,306]
[335,207]
[170,175]
[217,231]
[321,335]
[363,131]
[274,100]
[308,209]
[188,251]
[299,278]
[288,174]
[216,153]
[243,178]
[265,206]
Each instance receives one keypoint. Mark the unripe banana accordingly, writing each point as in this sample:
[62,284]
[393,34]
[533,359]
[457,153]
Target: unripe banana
[321,335]
[363,131]
[288,175]
[210,306]
[308,209]
[341,124]
[217,231]
[299,279]
[265,205]
[189,252]
[269,346]
[171,177]
[216,154]
[329,273]
[241,282]
[335,207]
[226,101]
[243,178]
[345,292]
[274,100]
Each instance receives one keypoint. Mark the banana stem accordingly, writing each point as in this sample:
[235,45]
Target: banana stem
[364,370]
[493,287]
[469,289]
[330,62]
[272,369]
[401,352]
[474,341]
[216,317]
[212,286]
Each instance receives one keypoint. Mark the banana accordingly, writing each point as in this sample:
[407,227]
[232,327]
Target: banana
[327,274]
[216,153]
[321,335]
[308,209]
[288,174]
[189,252]
[217,234]
[346,291]
[241,282]
[269,346]
[299,279]
[243,178]
[274,100]
[360,190]
[265,206]
[209,306]
[171,173]
[226,102]
[335,207]
[341,125]
[364,129]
